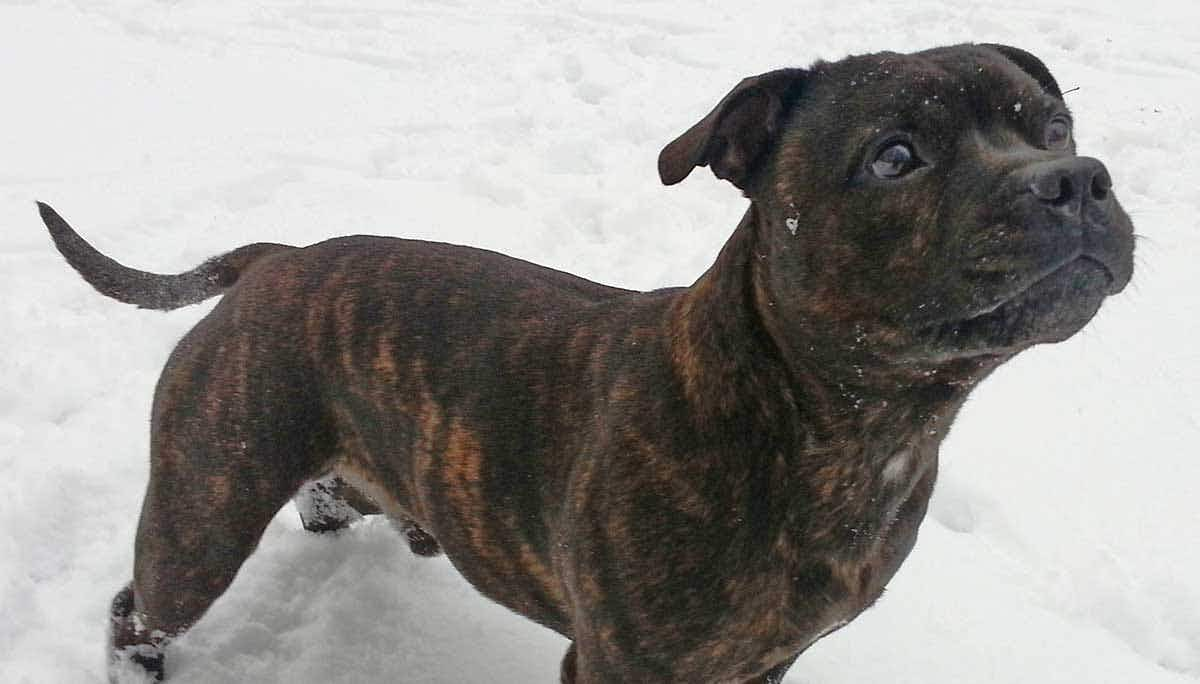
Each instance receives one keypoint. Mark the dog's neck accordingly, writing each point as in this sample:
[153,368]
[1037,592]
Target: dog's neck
[735,355]
[727,363]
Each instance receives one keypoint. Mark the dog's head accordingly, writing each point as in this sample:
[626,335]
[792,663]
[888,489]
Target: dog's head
[932,205]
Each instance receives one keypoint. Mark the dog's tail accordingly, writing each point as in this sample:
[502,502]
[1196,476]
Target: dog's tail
[152,290]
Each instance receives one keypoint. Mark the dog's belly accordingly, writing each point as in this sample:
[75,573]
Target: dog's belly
[432,469]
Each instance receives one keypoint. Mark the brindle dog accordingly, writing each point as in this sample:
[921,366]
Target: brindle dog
[692,484]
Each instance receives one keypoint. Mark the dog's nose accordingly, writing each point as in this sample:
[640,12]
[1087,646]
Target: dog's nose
[1068,185]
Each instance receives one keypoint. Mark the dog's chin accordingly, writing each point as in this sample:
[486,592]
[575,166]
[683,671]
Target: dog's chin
[1050,309]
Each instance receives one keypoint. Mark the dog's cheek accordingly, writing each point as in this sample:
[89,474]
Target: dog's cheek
[888,250]
[973,205]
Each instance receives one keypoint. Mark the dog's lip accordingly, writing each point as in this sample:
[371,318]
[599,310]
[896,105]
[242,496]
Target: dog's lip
[1043,274]
[958,325]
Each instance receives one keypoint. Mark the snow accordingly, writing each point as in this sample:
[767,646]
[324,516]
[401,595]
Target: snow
[1062,541]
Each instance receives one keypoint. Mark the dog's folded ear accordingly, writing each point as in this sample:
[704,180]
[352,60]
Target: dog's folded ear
[1030,65]
[735,136]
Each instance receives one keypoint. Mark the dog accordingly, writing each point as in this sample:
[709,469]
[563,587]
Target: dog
[691,484]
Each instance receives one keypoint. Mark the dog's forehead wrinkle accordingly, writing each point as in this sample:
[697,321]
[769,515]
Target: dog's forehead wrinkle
[936,111]
[1002,147]
[902,93]
[970,77]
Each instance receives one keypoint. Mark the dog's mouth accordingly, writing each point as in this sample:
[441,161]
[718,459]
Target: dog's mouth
[1049,272]
[1050,307]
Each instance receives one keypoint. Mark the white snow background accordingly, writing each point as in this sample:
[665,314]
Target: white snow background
[1063,542]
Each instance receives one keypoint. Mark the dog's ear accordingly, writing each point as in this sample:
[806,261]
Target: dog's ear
[1030,65]
[733,139]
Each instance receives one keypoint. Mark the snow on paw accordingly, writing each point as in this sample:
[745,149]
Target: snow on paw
[137,664]
[321,510]
[419,541]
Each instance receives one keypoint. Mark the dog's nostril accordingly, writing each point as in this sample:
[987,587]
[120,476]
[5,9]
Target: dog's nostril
[1066,192]
[1101,184]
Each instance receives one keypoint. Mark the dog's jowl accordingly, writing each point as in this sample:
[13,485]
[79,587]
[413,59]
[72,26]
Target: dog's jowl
[691,484]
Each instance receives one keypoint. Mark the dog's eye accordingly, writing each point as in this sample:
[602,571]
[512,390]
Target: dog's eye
[894,161]
[1058,134]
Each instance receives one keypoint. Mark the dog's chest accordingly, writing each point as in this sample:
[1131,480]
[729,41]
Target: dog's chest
[857,489]
[846,541]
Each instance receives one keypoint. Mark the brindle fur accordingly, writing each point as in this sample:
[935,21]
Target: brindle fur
[691,484]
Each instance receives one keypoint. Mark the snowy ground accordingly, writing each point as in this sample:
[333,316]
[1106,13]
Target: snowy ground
[1064,539]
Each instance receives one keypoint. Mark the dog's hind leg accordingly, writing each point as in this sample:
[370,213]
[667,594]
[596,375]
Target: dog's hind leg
[233,438]
[199,523]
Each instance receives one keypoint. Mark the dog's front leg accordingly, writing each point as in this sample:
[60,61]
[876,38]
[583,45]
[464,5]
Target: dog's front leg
[567,675]
[590,662]
[775,674]
[570,672]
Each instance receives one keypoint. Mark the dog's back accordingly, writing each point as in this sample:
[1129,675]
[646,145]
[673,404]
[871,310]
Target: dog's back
[431,377]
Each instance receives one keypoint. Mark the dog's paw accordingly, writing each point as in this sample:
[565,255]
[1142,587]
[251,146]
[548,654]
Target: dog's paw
[138,664]
[135,654]
[421,542]
[321,509]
